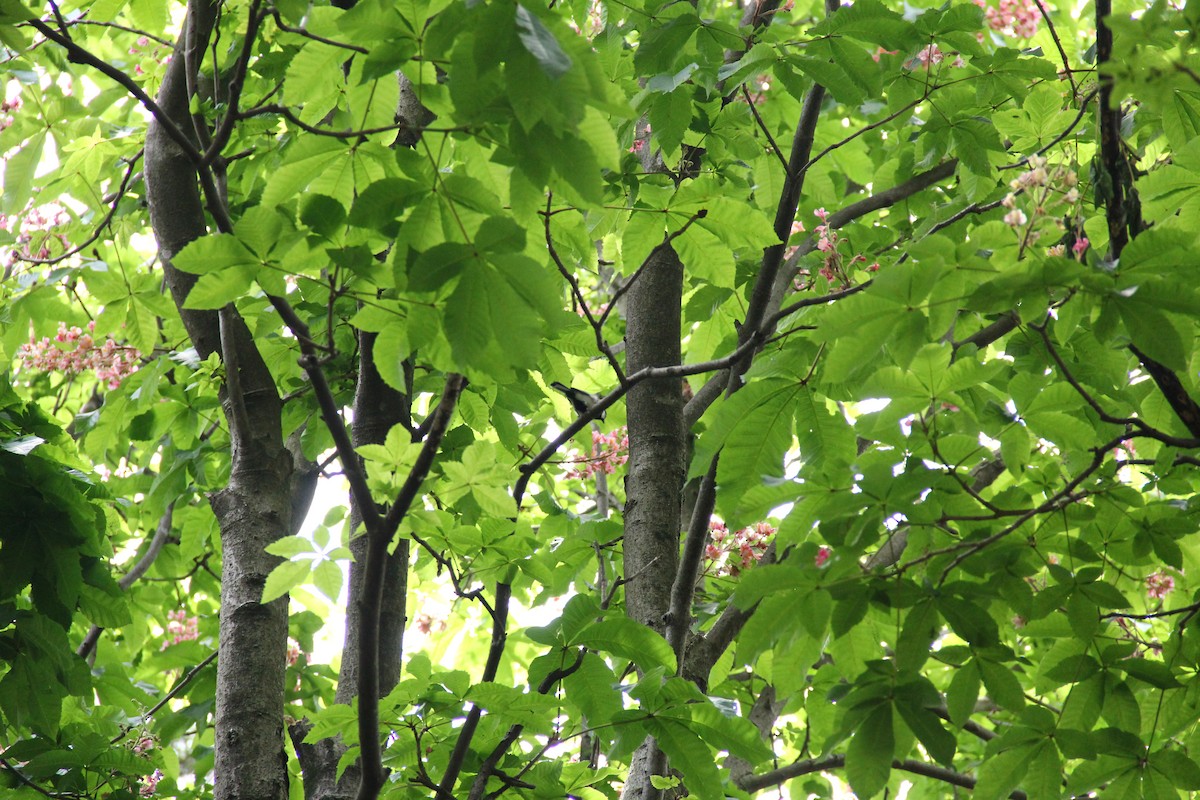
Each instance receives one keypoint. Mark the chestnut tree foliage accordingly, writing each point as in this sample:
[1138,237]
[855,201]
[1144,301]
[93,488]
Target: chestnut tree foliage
[888,480]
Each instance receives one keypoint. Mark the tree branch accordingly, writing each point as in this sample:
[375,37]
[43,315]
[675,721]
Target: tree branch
[808,766]
[378,540]
[78,55]
[161,533]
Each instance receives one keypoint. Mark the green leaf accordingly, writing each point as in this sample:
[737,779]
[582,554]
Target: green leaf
[1155,673]
[927,726]
[870,21]
[541,44]
[218,251]
[1182,771]
[216,289]
[963,693]
[1002,684]
[1000,774]
[19,171]
[285,577]
[624,637]
[755,447]
[735,734]
[688,754]
[869,756]
[1073,669]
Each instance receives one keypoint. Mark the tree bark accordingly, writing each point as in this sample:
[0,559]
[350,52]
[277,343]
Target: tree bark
[255,508]
[654,485]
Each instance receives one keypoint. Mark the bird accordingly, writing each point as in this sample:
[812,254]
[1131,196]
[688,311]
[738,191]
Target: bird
[580,400]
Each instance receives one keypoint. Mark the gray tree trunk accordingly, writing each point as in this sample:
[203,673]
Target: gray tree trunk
[657,467]
[255,508]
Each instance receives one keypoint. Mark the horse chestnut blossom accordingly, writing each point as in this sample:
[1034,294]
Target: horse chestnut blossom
[150,783]
[731,554]
[35,233]
[609,451]
[824,553]
[6,111]
[1159,584]
[73,351]
[1035,194]
[1016,18]
[180,628]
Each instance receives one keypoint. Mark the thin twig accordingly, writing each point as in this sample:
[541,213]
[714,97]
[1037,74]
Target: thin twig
[1058,43]
[290,116]
[117,26]
[161,534]
[236,83]
[283,26]
[602,405]
[762,126]
[78,55]
[499,636]
[666,242]
[104,223]
[577,293]
[175,690]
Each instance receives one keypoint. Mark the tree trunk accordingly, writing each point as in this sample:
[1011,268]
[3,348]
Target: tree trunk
[255,508]
[654,484]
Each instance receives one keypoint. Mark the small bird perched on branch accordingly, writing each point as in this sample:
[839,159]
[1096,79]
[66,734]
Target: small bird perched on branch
[580,400]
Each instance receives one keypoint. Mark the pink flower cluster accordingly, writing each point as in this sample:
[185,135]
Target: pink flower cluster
[6,109]
[593,22]
[73,352]
[609,451]
[926,57]
[824,553]
[426,623]
[144,745]
[150,783]
[142,49]
[1017,18]
[293,651]
[1042,191]
[1159,584]
[731,554]
[35,232]
[180,628]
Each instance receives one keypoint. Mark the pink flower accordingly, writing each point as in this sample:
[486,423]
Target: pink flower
[111,362]
[929,55]
[824,553]
[1081,245]
[180,628]
[1159,584]
[150,783]
[1015,218]
[1017,18]
[609,451]
[731,555]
